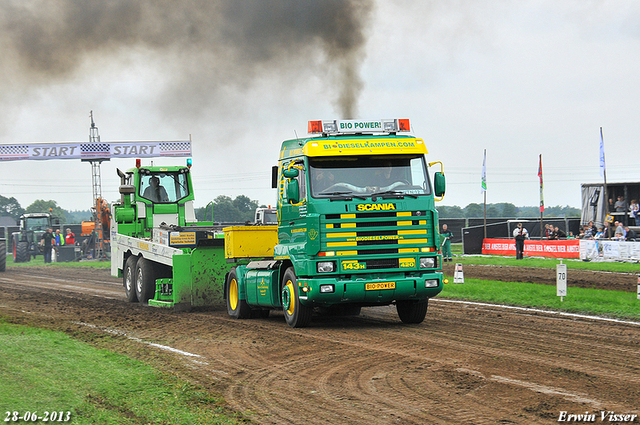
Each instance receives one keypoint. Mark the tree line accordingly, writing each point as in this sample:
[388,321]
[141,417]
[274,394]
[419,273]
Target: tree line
[505,209]
[221,209]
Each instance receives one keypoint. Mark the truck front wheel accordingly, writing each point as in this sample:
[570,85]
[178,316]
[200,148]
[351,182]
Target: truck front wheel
[411,311]
[295,314]
[145,280]
[237,308]
[129,279]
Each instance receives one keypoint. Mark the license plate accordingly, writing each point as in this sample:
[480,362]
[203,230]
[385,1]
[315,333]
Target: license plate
[379,285]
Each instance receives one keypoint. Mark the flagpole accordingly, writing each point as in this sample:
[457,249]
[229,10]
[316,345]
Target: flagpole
[541,198]
[484,190]
[604,175]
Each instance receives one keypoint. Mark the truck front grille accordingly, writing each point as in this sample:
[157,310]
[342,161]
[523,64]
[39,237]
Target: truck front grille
[375,242]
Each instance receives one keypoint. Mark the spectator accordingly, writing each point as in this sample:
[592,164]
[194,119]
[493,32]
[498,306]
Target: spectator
[70,238]
[594,229]
[599,234]
[520,234]
[548,231]
[559,233]
[570,235]
[588,232]
[46,243]
[631,234]
[620,230]
[634,209]
[622,207]
[59,240]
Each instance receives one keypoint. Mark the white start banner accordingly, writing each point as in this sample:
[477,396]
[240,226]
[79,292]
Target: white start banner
[91,151]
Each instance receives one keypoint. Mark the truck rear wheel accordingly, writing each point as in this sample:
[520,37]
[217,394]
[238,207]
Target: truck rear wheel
[411,311]
[129,279]
[237,308]
[295,314]
[145,280]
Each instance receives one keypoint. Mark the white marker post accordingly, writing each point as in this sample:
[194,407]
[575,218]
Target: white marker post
[561,280]
[458,276]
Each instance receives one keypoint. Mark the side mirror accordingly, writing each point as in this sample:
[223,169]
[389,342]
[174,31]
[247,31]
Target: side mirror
[293,191]
[291,173]
[439,184]
[127,189]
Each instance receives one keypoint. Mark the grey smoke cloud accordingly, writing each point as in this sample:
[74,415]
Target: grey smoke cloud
[208,44]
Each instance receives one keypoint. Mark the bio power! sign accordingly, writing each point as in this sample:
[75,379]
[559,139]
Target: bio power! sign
[100,150]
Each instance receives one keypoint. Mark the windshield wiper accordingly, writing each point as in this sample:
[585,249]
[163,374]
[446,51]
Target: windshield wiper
[398,194]
[341,196]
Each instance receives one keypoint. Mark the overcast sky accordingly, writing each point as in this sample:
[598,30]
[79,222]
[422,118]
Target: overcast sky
[518,79]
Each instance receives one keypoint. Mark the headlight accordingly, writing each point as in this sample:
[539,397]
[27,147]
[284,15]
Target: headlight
[431,283]
[327,289]
[326,266]
[427,262]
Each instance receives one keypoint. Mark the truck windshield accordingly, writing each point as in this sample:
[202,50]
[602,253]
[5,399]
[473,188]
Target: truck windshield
[396,175]
[164,187]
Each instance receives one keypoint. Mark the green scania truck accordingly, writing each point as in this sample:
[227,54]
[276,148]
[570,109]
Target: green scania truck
[357,226]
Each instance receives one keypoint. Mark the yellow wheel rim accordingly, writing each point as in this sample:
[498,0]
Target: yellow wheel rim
[292,298]
[233,294]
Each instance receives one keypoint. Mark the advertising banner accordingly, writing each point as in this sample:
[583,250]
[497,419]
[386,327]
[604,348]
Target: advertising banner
[569,248]
[91,151]
[607,250]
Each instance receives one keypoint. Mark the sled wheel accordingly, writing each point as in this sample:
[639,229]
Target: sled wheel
[145,280]
[129,279]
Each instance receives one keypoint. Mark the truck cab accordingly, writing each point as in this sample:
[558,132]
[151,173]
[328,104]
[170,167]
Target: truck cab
[357,225]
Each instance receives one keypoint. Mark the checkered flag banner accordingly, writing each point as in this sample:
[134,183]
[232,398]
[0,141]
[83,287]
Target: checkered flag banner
[95,151]
[90,151]
[14,152]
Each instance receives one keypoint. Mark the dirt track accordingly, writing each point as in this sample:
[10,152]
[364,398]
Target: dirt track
[466,363]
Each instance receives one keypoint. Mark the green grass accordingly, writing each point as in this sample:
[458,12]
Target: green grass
[617,304]
[45,370]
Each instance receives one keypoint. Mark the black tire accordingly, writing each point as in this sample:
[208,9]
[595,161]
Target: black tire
[237,308]
[145,280]
[129,279]
[412,312]
[3,256]
[22,252]
[295,314]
